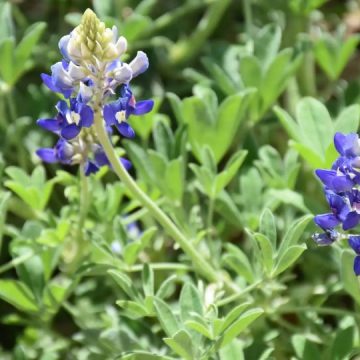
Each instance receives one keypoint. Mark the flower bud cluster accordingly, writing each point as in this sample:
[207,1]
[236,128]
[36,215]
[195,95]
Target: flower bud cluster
[342,191]
[90,75]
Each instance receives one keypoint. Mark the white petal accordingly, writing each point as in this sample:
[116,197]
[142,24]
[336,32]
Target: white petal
[76,72]
[139,64]
[123,73]
[121,45]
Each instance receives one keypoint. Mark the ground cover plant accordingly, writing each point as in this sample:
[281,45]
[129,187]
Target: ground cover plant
[179,179]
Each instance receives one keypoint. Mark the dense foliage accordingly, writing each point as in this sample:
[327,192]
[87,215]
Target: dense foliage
[208,254]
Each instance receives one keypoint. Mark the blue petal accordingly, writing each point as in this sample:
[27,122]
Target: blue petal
[125,129]
[90,168]
[126,163]
[323,239]
[352,219]
[101,158]
[47,155]
[326,221]
[354,242]
[86,116]
[47,80]
[49,124]
[109,113]
[70,131]
[62,108]
[334,181]
[143,107]
[347,145]
[357,265]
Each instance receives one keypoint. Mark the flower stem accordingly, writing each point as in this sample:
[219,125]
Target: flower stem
[202,266]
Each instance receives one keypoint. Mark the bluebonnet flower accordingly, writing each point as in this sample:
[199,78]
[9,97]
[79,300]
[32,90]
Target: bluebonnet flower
[88,77]
[117,112]
[69,120]
[342,191]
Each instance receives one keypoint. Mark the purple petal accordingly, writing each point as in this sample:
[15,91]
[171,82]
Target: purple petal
[49,124]
[347,145]
[143,107]
[357,265]
[101,158]
[47,80]
[47,155]
[109,113]
[70,131]
[90,168]
[125,130]
[352,219]
[354,242]
[62,107]
[126,163]
[326,221]
[334,181]
[87,116]
[323,239]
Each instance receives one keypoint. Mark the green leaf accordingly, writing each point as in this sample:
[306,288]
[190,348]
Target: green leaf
[7,47]
[26,46]
[148,280]
[176,106]
[267,252]
[174,178]
[181,344]
[124,282]
[31,272]
[18,295]
[288,123]
[143,355]
[239,262]
[315,124]
[343,344]
[231,169]
[232,315]
[294,232]
[190,302]
[290,255]
[348,119]
[240,325]
[133,309]
[163,138]
[304,348]
[166,316]
[232,351]
[268,226]
[167,287]
[7,28]
[267,43]
[200,328]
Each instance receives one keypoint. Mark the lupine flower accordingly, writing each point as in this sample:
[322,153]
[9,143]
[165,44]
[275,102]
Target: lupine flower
[341,187]
[89,76]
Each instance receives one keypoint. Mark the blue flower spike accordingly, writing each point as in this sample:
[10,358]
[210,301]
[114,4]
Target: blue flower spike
[89,76]
[341,188]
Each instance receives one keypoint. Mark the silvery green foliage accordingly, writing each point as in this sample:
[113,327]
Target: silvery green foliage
[248,97]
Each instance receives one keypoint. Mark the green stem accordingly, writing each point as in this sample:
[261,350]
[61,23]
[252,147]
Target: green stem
[160,267]
[84,201]
[240,294]
[198,260]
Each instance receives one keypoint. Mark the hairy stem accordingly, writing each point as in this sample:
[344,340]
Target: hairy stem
[202,266]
